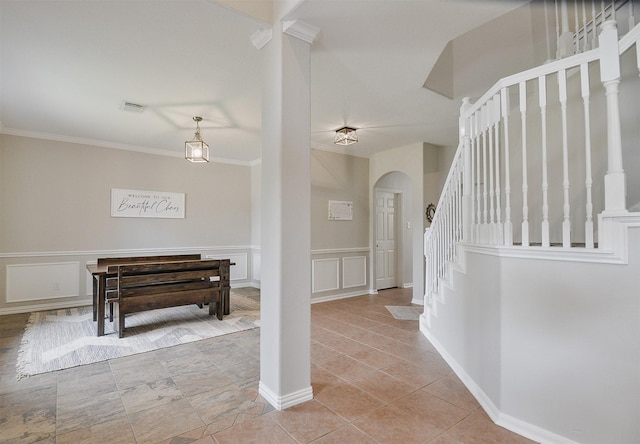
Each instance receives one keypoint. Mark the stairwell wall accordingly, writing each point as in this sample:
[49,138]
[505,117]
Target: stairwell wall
[550,348]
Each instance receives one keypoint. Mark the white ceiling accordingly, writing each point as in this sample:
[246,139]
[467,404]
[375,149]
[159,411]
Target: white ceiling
[67,66]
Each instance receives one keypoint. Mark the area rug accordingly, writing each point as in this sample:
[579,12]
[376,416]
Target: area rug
[405,312]
[59,339]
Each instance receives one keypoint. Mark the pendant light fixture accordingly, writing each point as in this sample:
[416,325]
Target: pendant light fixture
[346,136]
[196,150]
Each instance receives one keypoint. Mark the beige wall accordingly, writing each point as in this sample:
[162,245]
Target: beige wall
[344,178]
[56,206]
[56,209]
[56,197]
[436,164]
[339,249]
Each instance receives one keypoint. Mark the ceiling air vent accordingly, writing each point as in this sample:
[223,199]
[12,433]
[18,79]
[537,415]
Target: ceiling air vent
[132,107]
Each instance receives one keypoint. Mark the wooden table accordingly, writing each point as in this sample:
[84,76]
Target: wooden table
[100,273]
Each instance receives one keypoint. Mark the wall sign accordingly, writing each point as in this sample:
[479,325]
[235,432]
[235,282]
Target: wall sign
[139,203]
[340,210]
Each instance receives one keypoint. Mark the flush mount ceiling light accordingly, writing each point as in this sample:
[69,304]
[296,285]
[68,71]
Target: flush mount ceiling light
[196,150]
[346,136]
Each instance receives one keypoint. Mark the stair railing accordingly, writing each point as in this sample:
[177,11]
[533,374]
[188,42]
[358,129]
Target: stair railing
[523,173]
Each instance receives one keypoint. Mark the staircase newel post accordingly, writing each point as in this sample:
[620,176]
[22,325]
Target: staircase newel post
[614,180]
[467,186]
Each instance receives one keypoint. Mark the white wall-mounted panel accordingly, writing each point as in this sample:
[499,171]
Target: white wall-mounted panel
[240,270]
[354,271]
[325,274]
[34,282]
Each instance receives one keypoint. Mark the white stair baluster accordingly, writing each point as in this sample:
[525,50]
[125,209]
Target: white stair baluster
[566,216]
[542,99]
[594,30]
[546,31]
[525,187]
[478,147]
[485,192]
[588,225]
[472,182]
[489,158]
[613,10]
[499,239]
[508,227]
[585,44]
[577,28]
[458,234]
[557,31]
[466,215]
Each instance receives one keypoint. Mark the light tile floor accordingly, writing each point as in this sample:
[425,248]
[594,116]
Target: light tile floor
[375,380]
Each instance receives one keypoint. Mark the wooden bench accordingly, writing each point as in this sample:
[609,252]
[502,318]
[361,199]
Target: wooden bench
[149,286]
[104,262]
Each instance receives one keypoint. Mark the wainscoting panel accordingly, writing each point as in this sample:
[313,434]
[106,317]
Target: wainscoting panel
[239,271]
[325,274]
[354,271]
[33,282]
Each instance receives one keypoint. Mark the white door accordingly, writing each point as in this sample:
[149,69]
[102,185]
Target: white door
[385,240]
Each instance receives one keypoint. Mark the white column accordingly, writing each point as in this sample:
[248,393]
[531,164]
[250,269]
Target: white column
[285,309]
[614,180]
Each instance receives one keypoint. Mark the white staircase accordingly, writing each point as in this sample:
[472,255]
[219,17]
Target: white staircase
[533,256]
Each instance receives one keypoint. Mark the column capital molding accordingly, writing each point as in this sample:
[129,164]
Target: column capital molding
[299,29]
[261,37]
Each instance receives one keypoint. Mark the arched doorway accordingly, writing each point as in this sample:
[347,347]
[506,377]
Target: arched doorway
[392,215]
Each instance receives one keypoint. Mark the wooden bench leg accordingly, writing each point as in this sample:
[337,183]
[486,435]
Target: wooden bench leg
[227,303]
[95,298]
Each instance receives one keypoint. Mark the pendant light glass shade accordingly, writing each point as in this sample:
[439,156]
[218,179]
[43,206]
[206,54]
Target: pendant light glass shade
[196,150]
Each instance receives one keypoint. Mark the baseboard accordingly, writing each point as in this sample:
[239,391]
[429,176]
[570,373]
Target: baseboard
[335,297]
[44,307]
[286,401]
[252,284]
[515,425]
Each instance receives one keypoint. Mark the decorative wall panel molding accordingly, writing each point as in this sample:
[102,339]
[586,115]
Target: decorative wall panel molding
[239,271]
[325,274]
[34,282]
[354,271]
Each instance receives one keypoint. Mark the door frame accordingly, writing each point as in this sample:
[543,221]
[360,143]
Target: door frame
[398,212]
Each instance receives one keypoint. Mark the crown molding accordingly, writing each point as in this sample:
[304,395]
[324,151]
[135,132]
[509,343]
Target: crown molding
[302,30]
[111,145]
